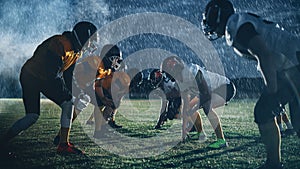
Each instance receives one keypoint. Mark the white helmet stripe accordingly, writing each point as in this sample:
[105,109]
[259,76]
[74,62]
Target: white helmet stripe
[77,38]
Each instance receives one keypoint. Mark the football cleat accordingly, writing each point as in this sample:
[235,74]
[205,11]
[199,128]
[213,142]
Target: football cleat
[68,148]
[220,143]
[56,140]
[157,126]
[90,122]
[5,153]
[100,134]
[200,136]
[113,124]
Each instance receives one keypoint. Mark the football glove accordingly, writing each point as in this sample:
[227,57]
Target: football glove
[83,101]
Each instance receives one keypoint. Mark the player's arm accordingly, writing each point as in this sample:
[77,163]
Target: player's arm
[185,100]
[99,91]
[251,40]
[55,51]
[205,94]
[258,47]
[68,77]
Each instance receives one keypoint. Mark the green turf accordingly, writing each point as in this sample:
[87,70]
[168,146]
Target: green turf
[34,148]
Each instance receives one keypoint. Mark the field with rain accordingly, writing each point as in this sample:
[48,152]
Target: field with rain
[146,31]
[133,145]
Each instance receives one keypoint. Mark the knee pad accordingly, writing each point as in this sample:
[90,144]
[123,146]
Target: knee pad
[24,123]
[66,114]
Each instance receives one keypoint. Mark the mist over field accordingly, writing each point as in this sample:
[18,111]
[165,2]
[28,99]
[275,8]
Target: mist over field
[25,24]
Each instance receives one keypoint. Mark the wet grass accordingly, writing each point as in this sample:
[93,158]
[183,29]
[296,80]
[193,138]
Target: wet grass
[34,148]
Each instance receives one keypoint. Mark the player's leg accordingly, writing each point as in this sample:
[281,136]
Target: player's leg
[280,125]
[268,128]
[163,114]
[286,120]
[111,121]
[198,122]
[31,99]
[101,115]
[294,107]
[209,109]
[56,139]
[78,108]
[60,95]
[90,119]
[283,119]
[293,79]
[196,131]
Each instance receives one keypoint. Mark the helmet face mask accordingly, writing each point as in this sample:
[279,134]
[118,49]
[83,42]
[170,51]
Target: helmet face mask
[112,56]
[115,62]
[215,18]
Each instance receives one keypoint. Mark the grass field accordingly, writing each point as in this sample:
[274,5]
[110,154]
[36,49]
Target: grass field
[137,144]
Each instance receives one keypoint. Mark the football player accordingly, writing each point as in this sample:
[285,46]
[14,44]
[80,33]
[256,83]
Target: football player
[112,58]
[200,89]
[49,71]
[171,99]
[111,62]
[111,89]
[85,85]
[277,53]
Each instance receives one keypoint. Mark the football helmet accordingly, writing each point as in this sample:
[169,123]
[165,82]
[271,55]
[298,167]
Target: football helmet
[112,57]
[171,65]
[215,18]
[83,31]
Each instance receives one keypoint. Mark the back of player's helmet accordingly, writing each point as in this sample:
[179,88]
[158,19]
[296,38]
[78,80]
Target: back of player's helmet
[171,64]
[215,18]
[111,56]
[83,31]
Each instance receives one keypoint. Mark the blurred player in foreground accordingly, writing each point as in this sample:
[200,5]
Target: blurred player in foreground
[49,71]
[277,53]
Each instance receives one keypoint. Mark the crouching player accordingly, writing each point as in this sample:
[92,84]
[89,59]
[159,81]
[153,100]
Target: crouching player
[84,77]
[109,92]
[170,94]
[199,89]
